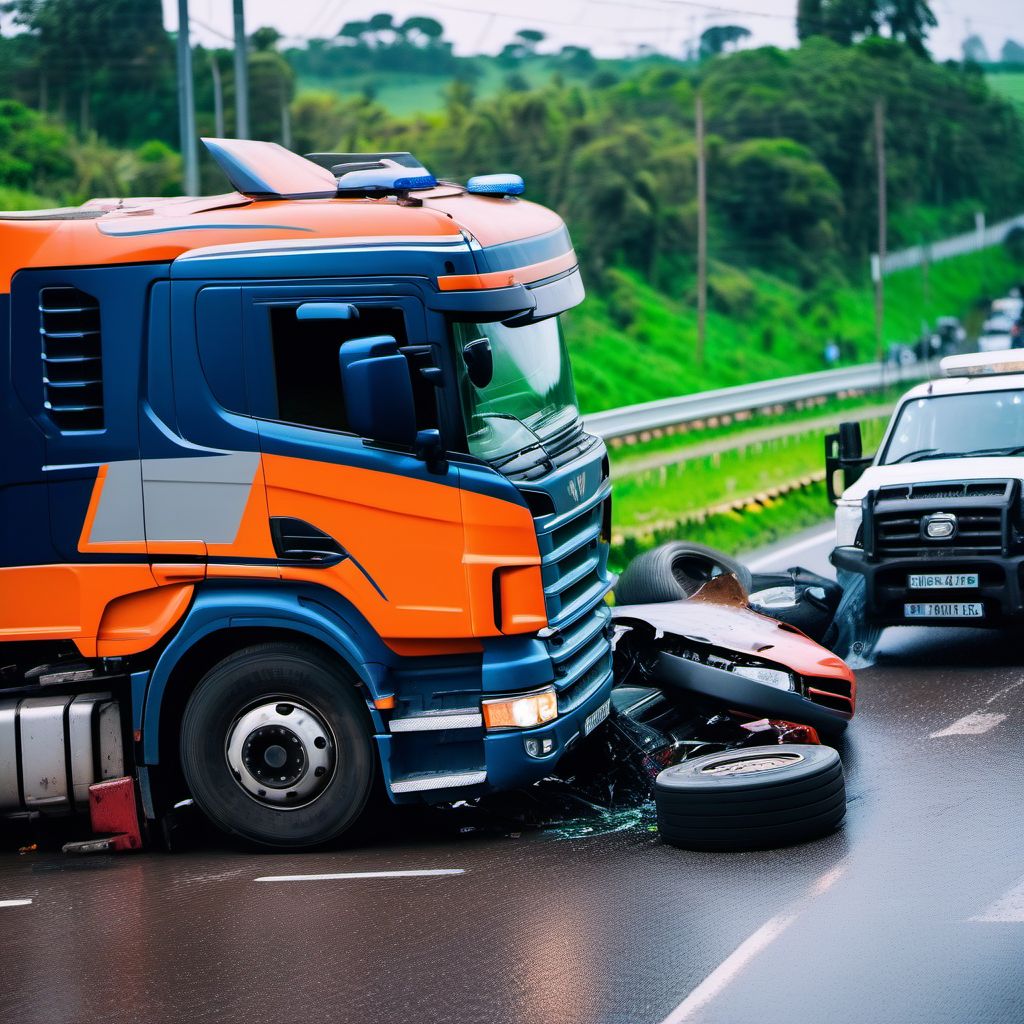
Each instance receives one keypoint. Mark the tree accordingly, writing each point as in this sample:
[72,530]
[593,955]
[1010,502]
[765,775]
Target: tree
[422,31]
[847,21]
[265,39]
[1013,52]
[354,32]
[808,18]
[718,38]
[530,39]
[974,50]
[909,21]
[112,54]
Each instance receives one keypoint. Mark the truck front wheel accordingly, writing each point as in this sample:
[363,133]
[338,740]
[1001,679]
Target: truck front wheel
[276,747]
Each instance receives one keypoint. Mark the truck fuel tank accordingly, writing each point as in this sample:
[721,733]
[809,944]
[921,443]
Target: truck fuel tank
[54,747]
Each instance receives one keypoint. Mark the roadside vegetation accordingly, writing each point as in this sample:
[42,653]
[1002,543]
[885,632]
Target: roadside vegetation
[610,144]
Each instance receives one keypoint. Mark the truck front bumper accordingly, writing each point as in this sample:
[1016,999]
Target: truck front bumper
[887,589]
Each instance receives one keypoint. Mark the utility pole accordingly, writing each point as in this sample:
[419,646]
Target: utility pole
[882,228]
[218,96]
[241,73]
[702,232]
[186,104]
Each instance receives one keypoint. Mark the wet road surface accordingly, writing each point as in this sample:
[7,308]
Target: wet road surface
[912,912]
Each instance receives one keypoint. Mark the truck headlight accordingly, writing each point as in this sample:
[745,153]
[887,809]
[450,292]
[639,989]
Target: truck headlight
[848,523]
[774,677]
[524,712]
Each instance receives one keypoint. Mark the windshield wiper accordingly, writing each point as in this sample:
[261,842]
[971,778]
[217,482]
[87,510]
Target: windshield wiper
[922,453]
[524,425]
[934,453]
[1010,450]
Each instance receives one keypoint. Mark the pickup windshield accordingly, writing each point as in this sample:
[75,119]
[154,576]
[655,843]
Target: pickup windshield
[958,426]
[530,399]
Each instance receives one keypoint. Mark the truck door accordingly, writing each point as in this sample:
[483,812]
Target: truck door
[205,504]
[370,521]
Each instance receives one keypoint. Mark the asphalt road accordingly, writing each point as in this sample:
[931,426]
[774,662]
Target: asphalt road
[912,912]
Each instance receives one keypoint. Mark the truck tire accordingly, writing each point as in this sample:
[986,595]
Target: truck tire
[674,571]
[276,747]
[751,798]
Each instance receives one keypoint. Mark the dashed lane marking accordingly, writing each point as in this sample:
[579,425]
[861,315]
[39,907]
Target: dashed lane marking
[727,971]
[344,875]
[1008,909]
[974,724]
[15,903]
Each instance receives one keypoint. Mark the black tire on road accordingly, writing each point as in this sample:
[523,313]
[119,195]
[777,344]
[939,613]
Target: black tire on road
[674,571]
[751,798]
[284,676]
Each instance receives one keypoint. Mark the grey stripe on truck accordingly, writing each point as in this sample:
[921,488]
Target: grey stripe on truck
[201,498]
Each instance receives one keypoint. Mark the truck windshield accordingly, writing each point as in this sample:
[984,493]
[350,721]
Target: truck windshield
[530,399]
[958,426]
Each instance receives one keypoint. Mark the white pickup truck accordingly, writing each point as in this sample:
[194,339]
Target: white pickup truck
[932,526]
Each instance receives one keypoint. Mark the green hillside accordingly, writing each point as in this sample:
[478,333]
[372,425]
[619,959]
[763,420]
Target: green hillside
[777,329]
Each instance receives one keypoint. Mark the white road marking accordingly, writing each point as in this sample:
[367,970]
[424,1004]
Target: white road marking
[777,557]
[433,872]
[1008,909]
[719,979]
[1004,691]
[15,903]
[974,724]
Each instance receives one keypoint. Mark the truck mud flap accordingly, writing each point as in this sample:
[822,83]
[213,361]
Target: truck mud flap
[737,693]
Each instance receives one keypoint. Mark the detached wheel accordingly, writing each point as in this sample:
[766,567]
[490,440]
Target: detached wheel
[674,571]
[276,747]
[751,798]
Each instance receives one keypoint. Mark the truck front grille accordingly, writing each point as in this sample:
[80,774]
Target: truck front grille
[574,555]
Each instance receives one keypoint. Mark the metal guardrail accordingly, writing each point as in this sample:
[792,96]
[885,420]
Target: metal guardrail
[632,420]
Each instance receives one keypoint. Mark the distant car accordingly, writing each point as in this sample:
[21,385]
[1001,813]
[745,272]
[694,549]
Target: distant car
[1011,305]
[996,334]
[951,334]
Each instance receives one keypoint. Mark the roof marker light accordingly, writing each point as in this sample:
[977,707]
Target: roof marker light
[496,185]
[385,180]
[983,364]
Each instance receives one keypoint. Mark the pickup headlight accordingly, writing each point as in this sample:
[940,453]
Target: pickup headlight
[768,676]
[848,523]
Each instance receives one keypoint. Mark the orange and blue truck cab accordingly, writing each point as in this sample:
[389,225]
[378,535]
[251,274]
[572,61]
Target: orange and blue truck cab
[296,476]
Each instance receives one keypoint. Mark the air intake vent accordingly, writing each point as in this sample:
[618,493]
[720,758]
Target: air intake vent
[69,322]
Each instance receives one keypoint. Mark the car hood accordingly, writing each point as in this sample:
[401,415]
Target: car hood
[936,471]
[718,615]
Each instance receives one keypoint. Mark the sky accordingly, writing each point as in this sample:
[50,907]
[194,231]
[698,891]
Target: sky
[608,27]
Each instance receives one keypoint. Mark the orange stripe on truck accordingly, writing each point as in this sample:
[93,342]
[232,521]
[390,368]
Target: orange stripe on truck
[507,278]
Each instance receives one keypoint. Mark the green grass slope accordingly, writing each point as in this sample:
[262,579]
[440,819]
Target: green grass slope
[631,343]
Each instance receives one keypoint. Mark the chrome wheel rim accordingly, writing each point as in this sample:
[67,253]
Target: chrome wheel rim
[282,753]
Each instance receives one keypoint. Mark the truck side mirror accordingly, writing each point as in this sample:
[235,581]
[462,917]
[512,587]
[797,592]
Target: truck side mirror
[378,393]
[851,445]
[479,362]
[844,459]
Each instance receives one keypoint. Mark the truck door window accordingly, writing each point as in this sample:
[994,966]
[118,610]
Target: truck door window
[306,370]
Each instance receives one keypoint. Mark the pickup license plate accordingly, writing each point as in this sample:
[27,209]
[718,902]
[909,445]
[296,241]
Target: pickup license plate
[595,718]
[944,610]
[942,580]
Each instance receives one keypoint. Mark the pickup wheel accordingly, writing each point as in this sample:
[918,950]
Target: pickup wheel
[751,798]
[276,747]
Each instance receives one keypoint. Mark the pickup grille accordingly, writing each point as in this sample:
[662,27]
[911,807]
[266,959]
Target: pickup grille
[978,530]
[985,512]
[574,556]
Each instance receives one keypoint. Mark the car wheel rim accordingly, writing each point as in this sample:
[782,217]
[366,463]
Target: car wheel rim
[751,764]
[282,753]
